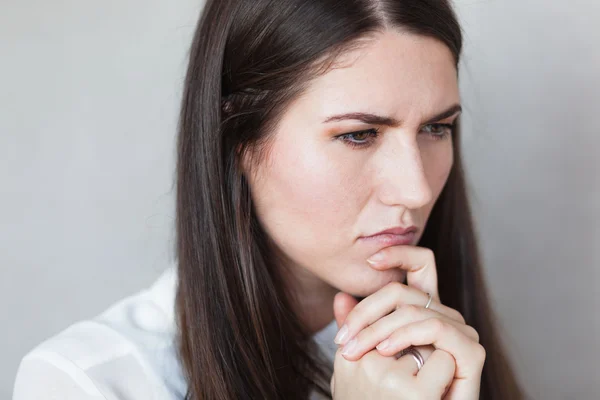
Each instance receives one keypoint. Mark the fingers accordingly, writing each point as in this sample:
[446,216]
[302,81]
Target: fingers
[419,262]
[407,361]
[438,372]
[372,335]
[381,303]
[343,303]
[394,318]
[346,371]
[376,376]
[469,355]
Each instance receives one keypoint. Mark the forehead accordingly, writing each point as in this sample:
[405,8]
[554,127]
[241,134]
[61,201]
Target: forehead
[393,73]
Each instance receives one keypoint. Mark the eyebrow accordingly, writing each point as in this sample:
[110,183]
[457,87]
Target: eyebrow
[373,119]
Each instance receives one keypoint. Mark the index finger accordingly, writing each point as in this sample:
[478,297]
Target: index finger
[419,262]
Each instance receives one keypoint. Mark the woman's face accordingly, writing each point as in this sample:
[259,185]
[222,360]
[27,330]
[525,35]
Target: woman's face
[317,195]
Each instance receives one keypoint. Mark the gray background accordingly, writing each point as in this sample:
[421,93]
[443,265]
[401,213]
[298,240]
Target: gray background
[89,92]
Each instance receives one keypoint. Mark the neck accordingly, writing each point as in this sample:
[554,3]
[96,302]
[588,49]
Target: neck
[313,299]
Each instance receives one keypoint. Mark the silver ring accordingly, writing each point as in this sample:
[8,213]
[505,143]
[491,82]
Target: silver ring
[428,301]
[416,355]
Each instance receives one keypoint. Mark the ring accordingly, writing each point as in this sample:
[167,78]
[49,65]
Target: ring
[416,355]
[428,301]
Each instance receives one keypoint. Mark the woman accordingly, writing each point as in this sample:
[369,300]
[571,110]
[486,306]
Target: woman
[319,186]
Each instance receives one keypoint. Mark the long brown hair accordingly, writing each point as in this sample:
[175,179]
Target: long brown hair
[238,336]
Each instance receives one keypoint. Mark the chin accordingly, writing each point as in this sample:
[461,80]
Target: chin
[367,283]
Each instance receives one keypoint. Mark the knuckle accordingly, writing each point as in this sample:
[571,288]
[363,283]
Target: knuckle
[437,325]
[481,353]
[410,310]
[457,316]
[395,287]
[397,292]
[429,253]
[473,333]
[449,358]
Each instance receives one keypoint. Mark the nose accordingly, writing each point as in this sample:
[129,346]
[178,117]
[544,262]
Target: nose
[402,178]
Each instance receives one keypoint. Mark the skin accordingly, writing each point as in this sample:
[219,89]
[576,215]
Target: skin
[317,197]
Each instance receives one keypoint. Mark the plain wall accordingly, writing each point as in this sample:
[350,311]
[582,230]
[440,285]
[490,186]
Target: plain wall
[89,95]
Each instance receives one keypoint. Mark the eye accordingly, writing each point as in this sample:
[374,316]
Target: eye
[439,131]
[359,139]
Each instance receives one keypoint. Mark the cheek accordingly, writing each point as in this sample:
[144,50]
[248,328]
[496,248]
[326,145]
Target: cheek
[306,199]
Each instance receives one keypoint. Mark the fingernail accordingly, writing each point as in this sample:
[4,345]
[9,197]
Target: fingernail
[341,335]
[349,347]
[375,258]
[383,344]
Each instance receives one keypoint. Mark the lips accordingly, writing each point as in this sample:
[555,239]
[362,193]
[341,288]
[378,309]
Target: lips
[396,231]
[391,239]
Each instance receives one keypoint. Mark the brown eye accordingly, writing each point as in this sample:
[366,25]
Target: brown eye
[360,138]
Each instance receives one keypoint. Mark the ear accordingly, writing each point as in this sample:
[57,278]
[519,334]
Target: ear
[343,303]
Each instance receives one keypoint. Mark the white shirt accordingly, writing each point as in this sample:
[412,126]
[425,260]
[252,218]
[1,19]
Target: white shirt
[126,353]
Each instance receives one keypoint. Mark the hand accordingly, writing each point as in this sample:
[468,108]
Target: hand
[396,313]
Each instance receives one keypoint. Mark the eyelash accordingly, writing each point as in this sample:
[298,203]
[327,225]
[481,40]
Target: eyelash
[374,132]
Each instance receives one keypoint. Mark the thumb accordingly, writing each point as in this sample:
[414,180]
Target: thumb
[343,303]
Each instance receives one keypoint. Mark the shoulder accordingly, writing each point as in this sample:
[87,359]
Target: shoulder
[127,352]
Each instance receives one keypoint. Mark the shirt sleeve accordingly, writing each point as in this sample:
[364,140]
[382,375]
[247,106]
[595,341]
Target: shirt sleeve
[49,376]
